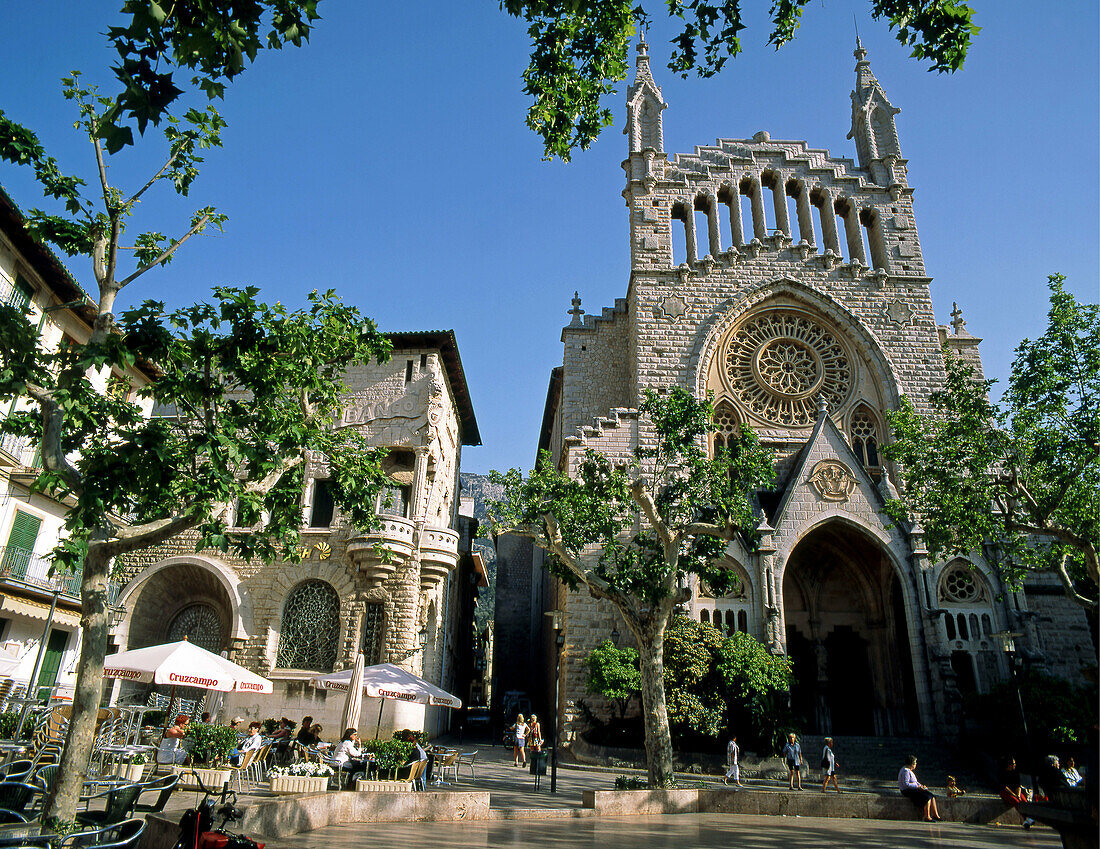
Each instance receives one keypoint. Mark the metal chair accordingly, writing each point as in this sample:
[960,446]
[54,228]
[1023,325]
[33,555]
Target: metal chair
[15,795]
[447,762]
[15,770]
[45,777]
[119,806]
[11,817]
[164,787]
[243,767]
[123,835]
[466,759]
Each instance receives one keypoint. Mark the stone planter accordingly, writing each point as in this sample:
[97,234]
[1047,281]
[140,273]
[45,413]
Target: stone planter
[299,784]
[212,778]
[131,772]
[363,785]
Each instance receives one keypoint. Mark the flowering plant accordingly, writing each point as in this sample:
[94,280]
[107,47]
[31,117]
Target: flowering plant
[302,769]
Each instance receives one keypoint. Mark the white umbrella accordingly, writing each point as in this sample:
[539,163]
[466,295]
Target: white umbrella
[386,681]
[183,664]
[353,706]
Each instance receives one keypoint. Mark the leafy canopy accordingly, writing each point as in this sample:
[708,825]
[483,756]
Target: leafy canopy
[670,509]
[579,50]
[1021,477]
[245,394]
[723,683]
[613,673]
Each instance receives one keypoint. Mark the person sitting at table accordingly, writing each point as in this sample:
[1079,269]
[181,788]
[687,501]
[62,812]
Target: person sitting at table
[349,753]
[170,751]
[254,742]
[305,733]
[318,743]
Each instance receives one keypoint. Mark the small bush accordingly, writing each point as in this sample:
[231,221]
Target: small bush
[388,754]
[212,743]
[154,718]
[631,782]
[9,721]
[269,726]
[421,737]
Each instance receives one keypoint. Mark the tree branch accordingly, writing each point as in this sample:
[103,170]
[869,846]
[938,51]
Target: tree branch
[167,252]
[136,195]
[1067,583]
[136,537]
[643,499]
[53,456]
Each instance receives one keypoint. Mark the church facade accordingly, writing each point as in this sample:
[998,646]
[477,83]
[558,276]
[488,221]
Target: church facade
[789,285]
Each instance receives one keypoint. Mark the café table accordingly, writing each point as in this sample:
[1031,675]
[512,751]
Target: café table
[17,834]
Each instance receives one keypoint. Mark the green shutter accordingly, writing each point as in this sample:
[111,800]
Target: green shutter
[21,293]
[24,531]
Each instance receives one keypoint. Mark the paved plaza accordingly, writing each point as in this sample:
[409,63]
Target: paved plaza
[677,831]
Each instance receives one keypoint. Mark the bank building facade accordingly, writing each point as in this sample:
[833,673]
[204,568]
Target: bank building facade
[788,284]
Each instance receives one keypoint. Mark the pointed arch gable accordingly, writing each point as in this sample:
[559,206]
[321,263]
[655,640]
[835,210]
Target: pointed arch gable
[862,338]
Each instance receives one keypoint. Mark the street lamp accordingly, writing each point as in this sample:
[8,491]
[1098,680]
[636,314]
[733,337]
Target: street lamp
[556,624]
[116,615]
[615,636]
[1007,640]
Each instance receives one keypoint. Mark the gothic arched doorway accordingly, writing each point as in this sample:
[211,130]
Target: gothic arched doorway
[847,636]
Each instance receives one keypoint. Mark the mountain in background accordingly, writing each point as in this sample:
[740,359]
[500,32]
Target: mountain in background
[482,490]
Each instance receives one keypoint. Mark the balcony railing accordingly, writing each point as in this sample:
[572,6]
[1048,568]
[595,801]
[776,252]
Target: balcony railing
[438,555]
[17,564]
[14,445]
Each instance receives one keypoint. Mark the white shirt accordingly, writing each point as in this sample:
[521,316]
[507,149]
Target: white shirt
[254,741]
[732,750]
[346,750]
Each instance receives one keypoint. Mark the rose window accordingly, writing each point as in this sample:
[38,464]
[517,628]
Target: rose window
[780,363]
[959,585]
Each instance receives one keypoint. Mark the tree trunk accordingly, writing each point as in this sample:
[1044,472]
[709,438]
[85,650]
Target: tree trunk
[62,802]
[658,739]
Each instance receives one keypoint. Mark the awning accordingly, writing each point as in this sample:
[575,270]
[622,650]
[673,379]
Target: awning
[38,610]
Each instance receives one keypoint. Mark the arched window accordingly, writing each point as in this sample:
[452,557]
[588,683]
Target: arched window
[742,621]
[872,228]
[853,235]
[864,434]
[374,621]
[966,596]
[199,624]
[732,201]
[310,628]
[681,212]
[727,428]
[704,615]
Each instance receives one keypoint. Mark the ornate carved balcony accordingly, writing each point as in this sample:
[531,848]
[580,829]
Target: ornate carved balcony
[378,554]
[438,555]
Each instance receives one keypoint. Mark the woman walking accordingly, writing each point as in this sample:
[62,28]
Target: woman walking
[916,792]
[733,767]
[828,766]
[519,740]
[792,753]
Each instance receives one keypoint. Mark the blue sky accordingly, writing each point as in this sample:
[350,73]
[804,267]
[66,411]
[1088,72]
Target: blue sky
[389,160]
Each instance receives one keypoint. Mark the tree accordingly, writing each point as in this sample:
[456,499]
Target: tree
[1021,477]
[613,673]
[579,50]
[630,532]
[724,684]
[249,392]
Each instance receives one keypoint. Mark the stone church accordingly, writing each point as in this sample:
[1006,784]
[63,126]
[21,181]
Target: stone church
[789,284]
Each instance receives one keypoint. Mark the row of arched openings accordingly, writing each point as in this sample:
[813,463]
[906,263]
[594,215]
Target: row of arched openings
[734,215]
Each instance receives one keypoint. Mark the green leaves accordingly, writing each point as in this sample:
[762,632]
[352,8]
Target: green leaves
[1021,479]
[614,673]
[579,50]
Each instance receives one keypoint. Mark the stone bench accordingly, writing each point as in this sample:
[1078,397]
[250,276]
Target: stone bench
[809,803]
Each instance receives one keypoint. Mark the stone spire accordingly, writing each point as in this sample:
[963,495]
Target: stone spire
[644,105]
[576,312]
[873,127]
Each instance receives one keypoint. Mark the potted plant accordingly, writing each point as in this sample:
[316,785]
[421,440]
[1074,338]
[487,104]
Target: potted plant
[134,770]
[209,747]
[389,755]
[301,777]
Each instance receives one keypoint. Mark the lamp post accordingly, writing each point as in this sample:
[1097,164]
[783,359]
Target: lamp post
[615,636]
[556,623]
[1007,639]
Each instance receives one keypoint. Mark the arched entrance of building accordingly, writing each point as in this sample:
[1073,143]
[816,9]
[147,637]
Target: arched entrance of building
[178,600]
[847,636]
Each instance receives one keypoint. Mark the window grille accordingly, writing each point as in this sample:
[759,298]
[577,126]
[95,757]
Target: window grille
[373,621]
[310,628]
[199,624]
[864,434]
